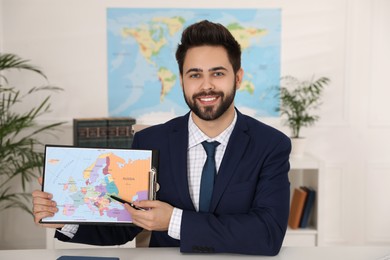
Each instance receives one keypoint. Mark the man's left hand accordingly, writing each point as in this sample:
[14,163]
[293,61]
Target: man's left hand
[156,216]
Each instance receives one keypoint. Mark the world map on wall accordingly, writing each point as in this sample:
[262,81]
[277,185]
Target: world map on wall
[143,76]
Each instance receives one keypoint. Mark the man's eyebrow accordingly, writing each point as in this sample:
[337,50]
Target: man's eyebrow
[200,70]
[194,70]
[218,68]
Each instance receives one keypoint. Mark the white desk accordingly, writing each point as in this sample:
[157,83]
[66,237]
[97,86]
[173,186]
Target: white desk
[287,253]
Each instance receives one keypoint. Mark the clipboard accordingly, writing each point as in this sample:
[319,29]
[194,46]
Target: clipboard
[82,181]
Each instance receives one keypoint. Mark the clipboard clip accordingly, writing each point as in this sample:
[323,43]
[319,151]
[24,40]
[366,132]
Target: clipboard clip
[154,186]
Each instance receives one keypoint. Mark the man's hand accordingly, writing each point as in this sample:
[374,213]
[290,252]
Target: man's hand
[44,206]
[156,217]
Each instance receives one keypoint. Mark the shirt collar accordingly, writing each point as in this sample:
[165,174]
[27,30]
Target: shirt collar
[196,136]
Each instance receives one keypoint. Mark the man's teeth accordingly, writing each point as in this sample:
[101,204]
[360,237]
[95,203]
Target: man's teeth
[208,99]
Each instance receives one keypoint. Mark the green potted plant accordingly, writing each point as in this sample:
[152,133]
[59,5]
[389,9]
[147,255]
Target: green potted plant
[298,101]
[21,153]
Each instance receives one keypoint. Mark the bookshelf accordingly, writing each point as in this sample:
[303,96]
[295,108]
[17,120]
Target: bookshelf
[305,171]
[111,132]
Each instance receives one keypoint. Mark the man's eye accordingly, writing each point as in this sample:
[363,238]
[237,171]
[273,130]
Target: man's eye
[218,74]
[195,76]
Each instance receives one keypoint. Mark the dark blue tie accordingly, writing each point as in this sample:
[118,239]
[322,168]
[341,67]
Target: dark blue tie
[208,174]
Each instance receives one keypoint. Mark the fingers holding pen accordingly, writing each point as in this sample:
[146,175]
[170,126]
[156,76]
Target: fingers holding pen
[157,216]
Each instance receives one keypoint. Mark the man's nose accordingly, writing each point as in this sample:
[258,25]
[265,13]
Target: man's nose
[207,84]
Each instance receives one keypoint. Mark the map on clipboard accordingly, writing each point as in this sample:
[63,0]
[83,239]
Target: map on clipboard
[82,181]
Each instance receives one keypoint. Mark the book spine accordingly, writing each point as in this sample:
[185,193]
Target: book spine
[120,133]
[90,133]
[296,210]
[308,208]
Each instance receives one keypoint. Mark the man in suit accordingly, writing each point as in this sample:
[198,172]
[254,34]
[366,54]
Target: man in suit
[248,206]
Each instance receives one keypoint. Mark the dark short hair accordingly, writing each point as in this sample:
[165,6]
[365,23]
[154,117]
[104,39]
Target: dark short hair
[206,33]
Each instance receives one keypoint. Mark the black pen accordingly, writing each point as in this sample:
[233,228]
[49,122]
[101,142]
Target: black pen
[127,202]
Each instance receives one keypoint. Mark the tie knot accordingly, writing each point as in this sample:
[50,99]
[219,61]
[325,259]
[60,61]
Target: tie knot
[210,147]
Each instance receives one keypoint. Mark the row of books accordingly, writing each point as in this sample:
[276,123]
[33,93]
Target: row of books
[103,132]
[301,207]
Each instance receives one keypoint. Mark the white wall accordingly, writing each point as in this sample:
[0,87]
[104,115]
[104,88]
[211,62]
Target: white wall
[345,40]
[1,27]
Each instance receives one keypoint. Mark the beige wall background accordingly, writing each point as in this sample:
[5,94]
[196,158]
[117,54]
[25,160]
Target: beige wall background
[345,40]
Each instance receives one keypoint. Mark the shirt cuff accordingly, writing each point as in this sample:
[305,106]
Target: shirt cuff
[69,230]
[175,223]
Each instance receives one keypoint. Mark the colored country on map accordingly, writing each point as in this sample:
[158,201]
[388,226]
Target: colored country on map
[68,210]
[127,179]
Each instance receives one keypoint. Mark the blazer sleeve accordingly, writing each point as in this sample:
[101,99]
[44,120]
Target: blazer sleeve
[101,235]
[260,230]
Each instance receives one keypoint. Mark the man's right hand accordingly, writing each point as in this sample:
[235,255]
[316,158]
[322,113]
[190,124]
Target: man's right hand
[44,206]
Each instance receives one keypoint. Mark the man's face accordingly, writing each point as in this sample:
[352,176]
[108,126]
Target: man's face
[208,81]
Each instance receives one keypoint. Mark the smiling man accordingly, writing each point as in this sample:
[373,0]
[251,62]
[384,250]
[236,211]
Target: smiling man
[223,175]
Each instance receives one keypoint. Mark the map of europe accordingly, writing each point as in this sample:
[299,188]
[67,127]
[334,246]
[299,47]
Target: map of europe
[143,77]
[82,180]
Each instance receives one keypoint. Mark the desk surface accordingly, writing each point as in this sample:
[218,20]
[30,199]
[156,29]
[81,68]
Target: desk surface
[287,253]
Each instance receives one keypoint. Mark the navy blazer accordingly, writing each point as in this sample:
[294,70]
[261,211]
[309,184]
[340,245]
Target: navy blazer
[250,202]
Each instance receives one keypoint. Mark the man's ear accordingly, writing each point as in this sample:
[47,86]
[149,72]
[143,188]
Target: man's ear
[239,77]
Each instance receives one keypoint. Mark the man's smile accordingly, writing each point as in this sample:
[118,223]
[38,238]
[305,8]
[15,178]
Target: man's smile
[207,99]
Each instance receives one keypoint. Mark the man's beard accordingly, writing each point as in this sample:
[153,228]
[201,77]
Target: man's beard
[209,113]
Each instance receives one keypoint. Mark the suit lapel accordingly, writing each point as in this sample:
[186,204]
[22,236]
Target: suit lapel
[234,151]
[178,145]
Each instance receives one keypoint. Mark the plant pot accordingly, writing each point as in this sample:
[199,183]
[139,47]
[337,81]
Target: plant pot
[298,147]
